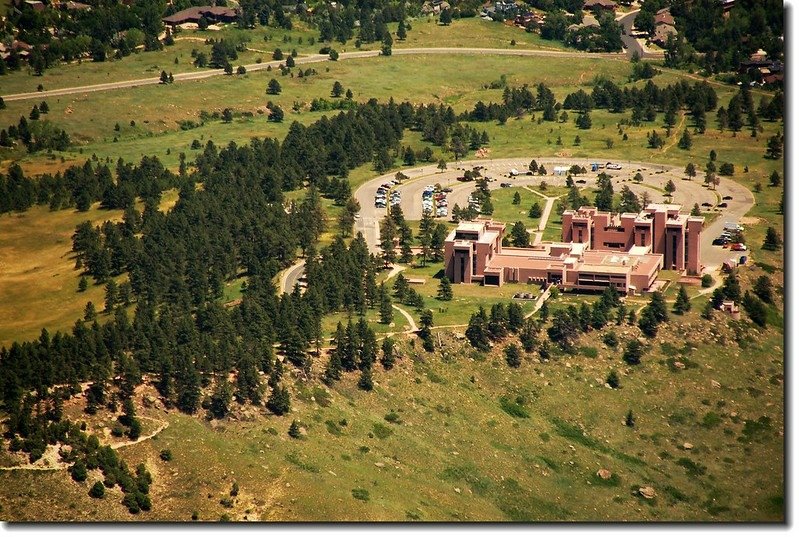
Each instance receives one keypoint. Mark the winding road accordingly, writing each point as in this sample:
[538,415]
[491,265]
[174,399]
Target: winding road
[312,58]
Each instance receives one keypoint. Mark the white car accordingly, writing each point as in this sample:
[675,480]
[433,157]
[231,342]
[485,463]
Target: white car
[611,166]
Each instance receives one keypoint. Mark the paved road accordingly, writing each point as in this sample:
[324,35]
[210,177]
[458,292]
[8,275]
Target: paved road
[632,44]
[655,178]
[290,276]
[313,58]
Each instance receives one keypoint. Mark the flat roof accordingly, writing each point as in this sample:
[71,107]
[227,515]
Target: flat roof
[663,207]
[470,226]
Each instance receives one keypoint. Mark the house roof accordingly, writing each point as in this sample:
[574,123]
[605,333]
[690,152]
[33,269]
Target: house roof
[606,4]
[662,33]
[193,14]
[664,17]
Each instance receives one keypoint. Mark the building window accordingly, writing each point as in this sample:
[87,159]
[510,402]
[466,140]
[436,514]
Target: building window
[674,248]
[643,239]
[580,236]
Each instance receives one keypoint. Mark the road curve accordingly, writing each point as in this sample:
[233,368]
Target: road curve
[290,276]
[632,44]
[313,58]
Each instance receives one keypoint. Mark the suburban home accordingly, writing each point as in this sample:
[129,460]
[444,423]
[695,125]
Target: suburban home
[664,16]
[662,33]
[604,5]
[75,6]
[36,5]
[193,14]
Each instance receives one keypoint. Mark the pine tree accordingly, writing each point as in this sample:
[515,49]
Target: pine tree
[629,421]
[774,179]
[89,313]
[388,357]
[279,402]
[528,336]
[444,289]
[477,331]
[731,290]
[221,399]
[83,284]
[365,381]
[294,429]
[401,32]
[763,289]
[513,356]
[707,311]
[515,317]
[648,323]
[386,310]
[97,490]
[685,141]
[110,295]
[273,87]
[772,241]
[613,380]
[682,304]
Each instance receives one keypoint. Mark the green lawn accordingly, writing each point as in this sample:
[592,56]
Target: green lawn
[506,211]
[466,297]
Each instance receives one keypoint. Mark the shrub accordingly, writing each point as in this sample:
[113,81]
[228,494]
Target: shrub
[707,280]
[360,494]
[79,472]
[97,490]
[392,417]
[513,407]
[166,455]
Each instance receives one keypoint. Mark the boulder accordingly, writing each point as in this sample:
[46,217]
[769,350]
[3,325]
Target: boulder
[647,492]
[604,474]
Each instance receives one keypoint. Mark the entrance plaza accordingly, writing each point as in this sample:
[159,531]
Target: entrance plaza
[598,250]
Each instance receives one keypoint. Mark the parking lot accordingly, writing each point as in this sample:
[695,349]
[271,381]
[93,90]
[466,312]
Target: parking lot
[734,198]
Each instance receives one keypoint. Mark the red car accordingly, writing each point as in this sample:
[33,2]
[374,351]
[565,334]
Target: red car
[738,247]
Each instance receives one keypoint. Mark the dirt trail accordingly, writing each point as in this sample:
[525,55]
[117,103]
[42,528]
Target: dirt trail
[49,460]
[675,135]
[413,328]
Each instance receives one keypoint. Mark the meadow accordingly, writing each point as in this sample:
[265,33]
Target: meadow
[472,438]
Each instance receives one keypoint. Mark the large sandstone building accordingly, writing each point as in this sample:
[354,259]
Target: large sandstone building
[597,250]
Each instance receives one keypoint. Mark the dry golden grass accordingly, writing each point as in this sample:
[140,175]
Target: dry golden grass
[38,279]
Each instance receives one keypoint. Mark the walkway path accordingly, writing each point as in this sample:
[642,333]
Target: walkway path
[411,323]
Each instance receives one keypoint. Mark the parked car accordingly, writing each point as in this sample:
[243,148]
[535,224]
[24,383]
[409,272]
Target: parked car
[580,181]
[738,247]
[723,205]
[706,204]
[720,241]
[447,189]
[612,166]
[727,198]
[505,185]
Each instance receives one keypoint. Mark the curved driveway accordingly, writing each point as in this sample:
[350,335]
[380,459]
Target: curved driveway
[655,178]
[313,58]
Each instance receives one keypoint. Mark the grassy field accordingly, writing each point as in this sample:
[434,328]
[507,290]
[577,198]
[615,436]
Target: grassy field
[156,110]
[476,440]
[38,280]
[469,437]
[260,43]
[456,80]
[506,211]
